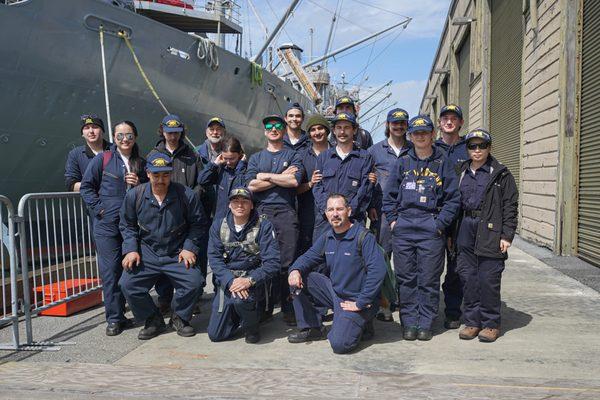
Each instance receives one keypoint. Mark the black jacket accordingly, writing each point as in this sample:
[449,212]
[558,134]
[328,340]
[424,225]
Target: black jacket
[499,210]
[186,163]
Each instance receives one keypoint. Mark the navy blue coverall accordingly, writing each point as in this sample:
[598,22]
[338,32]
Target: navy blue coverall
[225,179]
[385,159]
[279,205]
[423,198]
[452,287]
[480,275]
[235,312]
[301,145]
[78,160]
[103,190]
[306,202]
[349,177]
[158,232]
[351,278]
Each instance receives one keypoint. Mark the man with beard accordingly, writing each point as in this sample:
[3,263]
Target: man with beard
[211,148]
[273,174]
[455,147]
[92,129]
[295,138]
[357,270]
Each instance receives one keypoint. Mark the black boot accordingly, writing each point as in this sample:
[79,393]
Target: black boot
[307,335]
[410,333]
[115,328]
[252,337]
[182,327]
[154,326]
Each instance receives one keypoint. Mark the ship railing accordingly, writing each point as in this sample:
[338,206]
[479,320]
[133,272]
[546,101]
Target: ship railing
[8,267]
[228,9]
[57,254]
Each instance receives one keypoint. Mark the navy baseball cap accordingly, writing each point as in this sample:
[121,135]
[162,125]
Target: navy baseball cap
[345,100]
[479,133]
[215,120]
[159,162]
[172,123]
[295,106]
[240,192]
[344,117]
[397,114]
[273,117]
[93,119]
[420,123]
[452,108]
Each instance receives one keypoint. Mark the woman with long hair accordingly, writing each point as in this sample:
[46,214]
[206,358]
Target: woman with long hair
[105,182]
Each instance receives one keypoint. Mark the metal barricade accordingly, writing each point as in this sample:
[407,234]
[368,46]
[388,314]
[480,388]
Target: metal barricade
[58,259]
[8,266]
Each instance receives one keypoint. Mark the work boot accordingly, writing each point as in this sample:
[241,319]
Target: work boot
[115,328]
[451,323]
[252,337]
[410,333]
[489,335]
[154,326]
[424,334]
[182,327]
[368,331]
[307,335]
[469,332]
[289,318]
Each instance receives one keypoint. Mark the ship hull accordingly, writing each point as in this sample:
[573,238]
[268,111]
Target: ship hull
[51,73]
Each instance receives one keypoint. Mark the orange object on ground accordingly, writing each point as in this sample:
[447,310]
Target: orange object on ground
[58,291]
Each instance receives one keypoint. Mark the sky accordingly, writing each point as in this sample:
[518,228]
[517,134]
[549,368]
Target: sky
[401,55]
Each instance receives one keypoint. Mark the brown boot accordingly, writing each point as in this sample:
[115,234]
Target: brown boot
[489,335]
[468,332]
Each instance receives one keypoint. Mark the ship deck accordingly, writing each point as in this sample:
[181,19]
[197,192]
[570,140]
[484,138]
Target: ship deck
[550,348]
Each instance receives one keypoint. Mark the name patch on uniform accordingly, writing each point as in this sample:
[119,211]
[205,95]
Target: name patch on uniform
[423,199]
[354,183]
[411,185]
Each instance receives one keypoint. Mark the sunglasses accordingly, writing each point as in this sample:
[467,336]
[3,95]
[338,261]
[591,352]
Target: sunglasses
[276,125]
[128,136]
[481,146]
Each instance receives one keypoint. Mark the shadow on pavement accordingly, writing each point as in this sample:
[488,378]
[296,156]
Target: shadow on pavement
[513,319]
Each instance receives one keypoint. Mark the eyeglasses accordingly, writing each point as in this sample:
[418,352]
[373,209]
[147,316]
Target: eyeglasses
[128,136]
[481,146]
[276,125]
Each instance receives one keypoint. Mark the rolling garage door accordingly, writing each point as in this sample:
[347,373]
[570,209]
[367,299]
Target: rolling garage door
[505,84]
[464,79]
[588,224]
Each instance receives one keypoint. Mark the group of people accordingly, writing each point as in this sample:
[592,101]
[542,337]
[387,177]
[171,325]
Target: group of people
[288,225]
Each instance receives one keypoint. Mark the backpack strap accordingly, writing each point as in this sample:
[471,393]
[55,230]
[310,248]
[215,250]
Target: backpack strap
[106,157]
[361,239]
[139,196]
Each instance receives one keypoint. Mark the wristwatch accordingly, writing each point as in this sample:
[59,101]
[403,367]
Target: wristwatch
[252,281]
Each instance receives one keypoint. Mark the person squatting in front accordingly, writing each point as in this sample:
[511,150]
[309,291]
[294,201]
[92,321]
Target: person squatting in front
[356,272]
[103,187]
[273,174]
[162,224]
[420,201]
[489,199]
[243,255]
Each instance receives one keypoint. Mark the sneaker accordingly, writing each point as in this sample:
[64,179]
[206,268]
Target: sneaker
[451,323]
[410,333]
[368,331]
[115,328]
[307,335]
[289,318]
[252,337]
[469,332]
[489,335]
[424,334]
[154,326]
[182,327]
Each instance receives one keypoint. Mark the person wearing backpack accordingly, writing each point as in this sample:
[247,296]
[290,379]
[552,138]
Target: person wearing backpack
[489,200]
[106,180]
[357,270]
[420,201]
[244,256]
[162,224]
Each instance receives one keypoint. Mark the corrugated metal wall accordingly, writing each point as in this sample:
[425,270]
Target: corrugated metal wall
[464,78]
[505,83]
[588,227]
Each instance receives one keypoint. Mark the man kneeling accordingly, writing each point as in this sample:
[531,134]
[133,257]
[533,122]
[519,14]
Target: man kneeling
[356,272]
[243,255]
[162,224]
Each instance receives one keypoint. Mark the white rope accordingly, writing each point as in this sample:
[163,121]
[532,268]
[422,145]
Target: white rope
[106,101]
[207,52]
